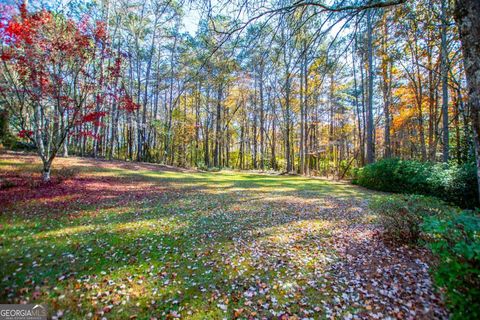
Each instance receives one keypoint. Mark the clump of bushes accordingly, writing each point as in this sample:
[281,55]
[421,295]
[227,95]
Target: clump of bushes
[455,240]
[203,167]
[401,216]
[453,237]
[453,183]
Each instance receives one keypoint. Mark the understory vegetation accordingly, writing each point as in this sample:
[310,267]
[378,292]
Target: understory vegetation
[451,182]
[452,235]
[455,240]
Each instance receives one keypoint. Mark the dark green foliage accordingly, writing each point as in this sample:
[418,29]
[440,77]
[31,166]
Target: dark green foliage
[6,137]
[3,124]
[455,183]
[401,216]
[16,145]
[451,182]
[204,167]
[455,239]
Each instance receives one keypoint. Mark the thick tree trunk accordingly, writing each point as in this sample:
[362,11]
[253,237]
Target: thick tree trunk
[65,148]
[46,171]
[468,20]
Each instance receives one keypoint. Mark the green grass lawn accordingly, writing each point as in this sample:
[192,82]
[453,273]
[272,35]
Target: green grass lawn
[132,241]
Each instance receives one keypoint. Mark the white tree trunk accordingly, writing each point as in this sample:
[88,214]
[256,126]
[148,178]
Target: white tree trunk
[46,172]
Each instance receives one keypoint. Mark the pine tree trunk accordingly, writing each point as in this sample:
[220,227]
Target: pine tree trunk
[468,21]
[262,122]
[302,111]
[370,137]
[445,83]
[287,121]
[386,86]
[216,151]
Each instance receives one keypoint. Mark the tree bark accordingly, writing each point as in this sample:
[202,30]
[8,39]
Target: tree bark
[445,82]
[386,86]
[302,114]
[287,123]
[468,21]
[370,137]
[46,171]
[216,155]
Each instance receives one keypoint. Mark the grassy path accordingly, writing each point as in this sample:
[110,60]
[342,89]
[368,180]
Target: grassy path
[120,241]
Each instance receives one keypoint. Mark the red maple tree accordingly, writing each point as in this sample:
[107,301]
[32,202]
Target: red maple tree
[48,80]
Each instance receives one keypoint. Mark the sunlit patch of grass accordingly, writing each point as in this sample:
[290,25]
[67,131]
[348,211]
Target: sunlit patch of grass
[67,231]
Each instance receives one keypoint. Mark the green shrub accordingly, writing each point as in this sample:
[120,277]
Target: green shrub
[394,175]
[454,183]
[12,142]
[450,182]
[401,216]
[201,166]
[455,239]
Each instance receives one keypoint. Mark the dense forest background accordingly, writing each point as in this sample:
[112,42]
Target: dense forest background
[269,85]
